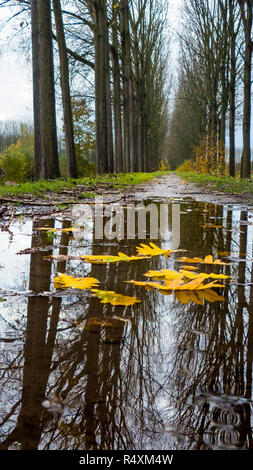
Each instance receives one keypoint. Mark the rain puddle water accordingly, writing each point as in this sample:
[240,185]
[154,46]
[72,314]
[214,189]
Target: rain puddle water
[176,375]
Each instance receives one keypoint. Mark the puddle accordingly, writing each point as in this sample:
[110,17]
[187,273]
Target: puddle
[160,374]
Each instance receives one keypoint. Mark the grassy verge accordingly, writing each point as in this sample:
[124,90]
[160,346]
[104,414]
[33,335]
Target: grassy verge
[219,183]
[41,187]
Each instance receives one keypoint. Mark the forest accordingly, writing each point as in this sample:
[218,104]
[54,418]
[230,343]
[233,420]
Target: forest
[136,93]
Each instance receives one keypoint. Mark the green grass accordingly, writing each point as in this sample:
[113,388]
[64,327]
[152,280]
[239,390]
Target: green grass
[41,187]
[226,184]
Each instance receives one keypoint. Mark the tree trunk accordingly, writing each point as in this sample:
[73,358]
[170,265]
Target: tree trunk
[66,99]
[100,92]
[128,96]
[232,86]
[116,97]
[108,98]
[36,87]
[246,154]
[104,141]
[49,152]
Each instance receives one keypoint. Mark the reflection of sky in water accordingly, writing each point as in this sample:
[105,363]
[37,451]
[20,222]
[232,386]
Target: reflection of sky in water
[15,271]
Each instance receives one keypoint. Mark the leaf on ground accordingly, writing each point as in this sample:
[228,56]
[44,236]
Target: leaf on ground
[63,281]
[110,297]
[207,260]
[153,250]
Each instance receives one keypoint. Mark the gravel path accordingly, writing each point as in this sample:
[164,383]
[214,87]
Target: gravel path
[173,187]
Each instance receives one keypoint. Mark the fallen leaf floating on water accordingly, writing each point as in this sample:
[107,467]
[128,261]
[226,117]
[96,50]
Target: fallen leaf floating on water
[153,250]
[110,297]
[211,226]
[63,230]
[207,260]
[63,281]
[171,275]
[179,284]
[103,259]
[164,273]
[190,275]
[198,297]
[61,257]
[190,268]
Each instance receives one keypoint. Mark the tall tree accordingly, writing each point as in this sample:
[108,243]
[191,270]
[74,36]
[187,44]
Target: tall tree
[46,152]
[115,52]
[66,98]
[246,9]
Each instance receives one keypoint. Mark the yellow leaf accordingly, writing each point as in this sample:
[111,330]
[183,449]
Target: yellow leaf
[164,273]
[184,297]
[103,259]
[190,260]
[207,260]
[110,297]
[210,296]
[179,284]
[63,281]
[190,275]
[190,268]
[63,230]
[153,250]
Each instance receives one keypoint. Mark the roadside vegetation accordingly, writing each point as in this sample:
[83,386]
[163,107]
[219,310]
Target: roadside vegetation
[226,184]
[113,181]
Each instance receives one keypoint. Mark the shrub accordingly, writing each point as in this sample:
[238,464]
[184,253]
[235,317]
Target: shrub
[187,165]
[13,164]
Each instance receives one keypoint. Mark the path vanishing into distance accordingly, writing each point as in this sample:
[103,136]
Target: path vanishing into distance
[172,186]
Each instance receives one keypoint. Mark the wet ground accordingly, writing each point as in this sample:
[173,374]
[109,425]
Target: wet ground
[166,373]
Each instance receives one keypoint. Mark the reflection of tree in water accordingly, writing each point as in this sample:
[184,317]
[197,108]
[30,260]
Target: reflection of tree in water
[213,404]
[125,383]
[106,376]
[111,382]
[38,349]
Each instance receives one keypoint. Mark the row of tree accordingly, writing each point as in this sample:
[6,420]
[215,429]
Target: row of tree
[120,47]
[214,82]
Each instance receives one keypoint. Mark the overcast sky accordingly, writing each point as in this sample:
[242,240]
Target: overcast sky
[16,74]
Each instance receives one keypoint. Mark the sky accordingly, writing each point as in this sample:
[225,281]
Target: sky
[15,89]
[15,77]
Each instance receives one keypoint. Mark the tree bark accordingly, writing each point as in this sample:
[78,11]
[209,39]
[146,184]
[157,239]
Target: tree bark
[116,96]
[36,87]
[44,92]
[128,96]
[232,87]
[66,99]
[247,22]
[104,141]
